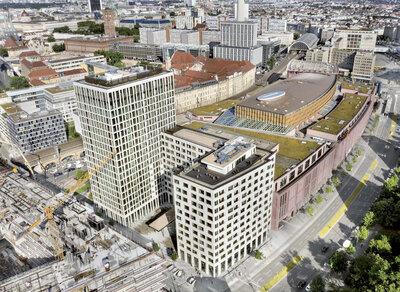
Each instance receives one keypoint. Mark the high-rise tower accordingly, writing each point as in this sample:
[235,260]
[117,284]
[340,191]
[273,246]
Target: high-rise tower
[126,111]
[109,22]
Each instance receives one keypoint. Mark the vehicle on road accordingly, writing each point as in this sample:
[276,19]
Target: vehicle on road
[57,174]
[308,288]
[170,267]
[301,284]
[191,280]
[325,248]
[179,273]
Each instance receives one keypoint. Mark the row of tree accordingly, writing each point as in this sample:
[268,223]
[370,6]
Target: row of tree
[113,58]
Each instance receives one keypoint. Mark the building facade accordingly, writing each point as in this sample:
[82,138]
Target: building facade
[126,112]
[223,206]
[349,39]
[136,51]
[66,64]
[364,63]
[36,131]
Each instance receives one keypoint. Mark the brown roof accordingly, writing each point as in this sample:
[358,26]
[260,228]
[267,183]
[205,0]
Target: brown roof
[33,65]
[28,54]
[42,72]
[182,58]
[74,71]
[11,42]
[299,91]
[36,82]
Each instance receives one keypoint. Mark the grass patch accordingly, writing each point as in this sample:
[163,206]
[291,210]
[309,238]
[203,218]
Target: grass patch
[57,89]
[216,108]
[341,116]
[361,88]
[83,189]
[195,125]
[374,124]
[279,171]
[72,133]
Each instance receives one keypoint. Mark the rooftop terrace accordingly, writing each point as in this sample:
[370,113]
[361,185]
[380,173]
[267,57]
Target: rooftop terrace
[216,108]
[342,115]
[57,89]
[361,88]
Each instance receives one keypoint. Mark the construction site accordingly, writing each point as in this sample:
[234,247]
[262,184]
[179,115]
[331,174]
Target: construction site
[56,243]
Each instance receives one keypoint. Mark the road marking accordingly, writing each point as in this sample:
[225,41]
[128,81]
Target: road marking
[344,207]
[393,126]
[374,164]
[282,273]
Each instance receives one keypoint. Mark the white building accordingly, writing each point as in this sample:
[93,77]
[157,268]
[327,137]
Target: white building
[223,205]
[276,25]
[184,22]
[241,10]
[239,34]
[352,39]
[152,36]
[126,111]
[285,37]
[363,68]
[61,99]
[208,36]
[66,64]
[182,36]
[254,54]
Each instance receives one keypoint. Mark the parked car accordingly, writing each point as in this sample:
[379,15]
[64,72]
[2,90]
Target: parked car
[301,284]
[308,288]
[179,273]
[325,248]
[191,280]
[57,174]
[170,267]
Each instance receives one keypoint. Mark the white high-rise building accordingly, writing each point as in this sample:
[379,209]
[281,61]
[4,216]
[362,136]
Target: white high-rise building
[241,10]
[223,205]
[126,111]
[239,34]
[277,25]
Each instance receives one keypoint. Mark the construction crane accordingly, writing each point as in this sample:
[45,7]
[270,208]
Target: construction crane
[22,155]
[49,210]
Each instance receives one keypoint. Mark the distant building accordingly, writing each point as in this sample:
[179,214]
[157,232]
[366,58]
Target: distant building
[276,25]
[318,55]
[297,67]
[169,49]
[153,36]
[285,37]
[148,23]
[43,76]
[241,10]
[94,5]
[214,22]
[109,22]
[363,68]
[200,81]
[92,44]
[351,39]
[270,46]
[66,64]
[392,32]
[306,42]
[144,52]
[208,36]
[36,131]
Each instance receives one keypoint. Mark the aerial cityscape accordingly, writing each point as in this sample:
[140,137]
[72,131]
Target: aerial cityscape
[199,145]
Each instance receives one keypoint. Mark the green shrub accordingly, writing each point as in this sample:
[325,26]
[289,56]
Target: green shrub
[359,152]
[351,249]
[319,199]
[156,248]
[336,181]
[349,166]
[328,189]
[174,256]
[310,210]
[258,255]
[354,159]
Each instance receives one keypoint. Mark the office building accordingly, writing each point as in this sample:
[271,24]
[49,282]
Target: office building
[61,98]
[152,36]
[318,55]
[144,52]
[343,58]
[285,37]
[351,39]
[66,64]
[184,21]
[270,46]
[126,111]
[276,25]
[209,36]
[363,68]
[169,49]
[241,10]
[223,205]
[35,131]
[94,5]
[94,43]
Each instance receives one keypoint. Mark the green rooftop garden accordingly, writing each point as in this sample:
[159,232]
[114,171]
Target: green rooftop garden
[57,89]
[361,88]
[342,115]
[10,107]
[216,108]
[289,147]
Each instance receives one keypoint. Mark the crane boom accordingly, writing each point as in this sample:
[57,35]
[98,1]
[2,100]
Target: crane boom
[49,210]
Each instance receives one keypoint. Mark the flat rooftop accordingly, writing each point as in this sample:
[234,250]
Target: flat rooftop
[22,116]
[216,108]
[61,60]
[361,88]
[11,108]
[119,77]
[341,115]
[202,174]
[58,89]
[299,91]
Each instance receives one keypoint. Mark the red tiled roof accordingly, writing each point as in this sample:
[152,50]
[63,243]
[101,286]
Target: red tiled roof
[43,72]
[11,42]
[36,82]
[33,65]
[28,54]
[74,71]
[182,58]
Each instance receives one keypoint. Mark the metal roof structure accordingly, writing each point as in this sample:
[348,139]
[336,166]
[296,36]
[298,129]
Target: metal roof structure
[306,42]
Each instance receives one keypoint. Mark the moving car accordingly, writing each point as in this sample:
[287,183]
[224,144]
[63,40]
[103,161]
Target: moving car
[301,284]
[325,248]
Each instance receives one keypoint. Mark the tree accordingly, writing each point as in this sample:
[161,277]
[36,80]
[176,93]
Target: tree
[58,48]
[79,174]
[62,29]
[336,181]
[362,233]
[310,210]
[380,245]
[369,219]
[328,189]
[354,159]
[258,255]
[296,35]
[338,261]
[113,58]
[19,82]
[90,196]
[156,248]
[351,249]
[317,284]
[384,210]
[51,39]
[271,62]
[358,276]
[349,166]
[3,52]
[358,152]
[391,183]
[319,199]
[174,256]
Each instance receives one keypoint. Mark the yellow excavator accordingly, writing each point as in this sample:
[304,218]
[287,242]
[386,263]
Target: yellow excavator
[49,210]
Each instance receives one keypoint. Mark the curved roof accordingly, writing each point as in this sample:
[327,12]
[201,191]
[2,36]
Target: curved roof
[300,91]
[307,41]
